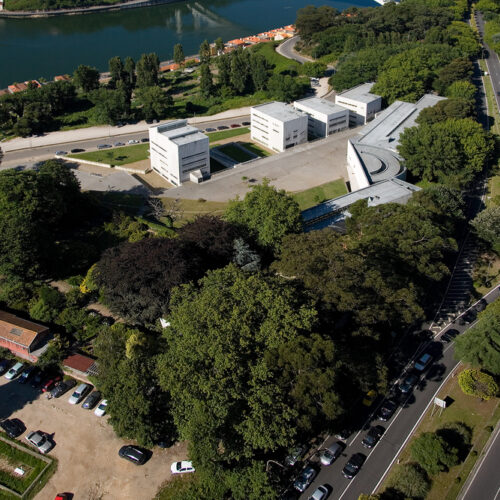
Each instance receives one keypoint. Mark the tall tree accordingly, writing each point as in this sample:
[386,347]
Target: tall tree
[179,54]
[147,70]
[259,71]
[205,52]
[206,80]
[129,72]
[86,78]
[239,71]
[219,46]
[111,106]
[487,226]
[154,102]
[433,453]
[116,70]
[224,70]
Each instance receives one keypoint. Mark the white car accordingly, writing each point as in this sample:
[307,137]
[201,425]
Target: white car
[133,141]
[181,467]
[14,371]
[40,440]
[100,411]
[320,493]
[79,394]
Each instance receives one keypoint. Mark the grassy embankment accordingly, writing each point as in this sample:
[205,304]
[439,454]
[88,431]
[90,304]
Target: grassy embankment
[480,416]
[319,194]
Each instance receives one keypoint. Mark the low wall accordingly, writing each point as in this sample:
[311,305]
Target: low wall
[105,165]
[355,169]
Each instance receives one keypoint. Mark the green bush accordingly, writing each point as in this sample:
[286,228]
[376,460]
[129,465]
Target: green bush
[433,453]
[476,383]
[411,481]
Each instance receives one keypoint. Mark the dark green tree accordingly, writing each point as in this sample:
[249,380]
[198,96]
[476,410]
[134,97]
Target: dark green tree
[219,46]
[179,54]
[312,19]
[129,72]
[433,453]
[443,110]
[147,70]
[259,71]
[116,70]
[205,52]
[111,106]
[206,81]
[154,102]
[224,70]
[86,78]
[486,224]
[410,480]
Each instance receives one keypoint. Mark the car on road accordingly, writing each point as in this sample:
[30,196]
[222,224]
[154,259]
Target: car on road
[27,373]
[63,496]
[132,454]
[210,129]
[118,144]
[372,436]
[423,362]
[40,440]
[50,383]
[77,150]
[344,434]
[222,127]
[320,493]
[387,410]
[469,317]
[449,335]
[481,305]
[13,427]
[353,465]
[328,456]
[100,411]
[103,146]
[133,141]
[245,124]
[61,153]
[91,400]
[370,397]
[145,139]
[305,478]
[62,388]
[14,371]
[80,392]
[408,383]
[295,455]
[235,125]
[182,467]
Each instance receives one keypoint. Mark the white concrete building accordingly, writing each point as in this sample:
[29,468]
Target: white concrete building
[360,102]
[278,126]
[179,152]
[325,117]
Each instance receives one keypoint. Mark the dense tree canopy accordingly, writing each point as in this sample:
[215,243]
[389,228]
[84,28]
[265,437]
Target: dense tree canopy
[433,453]
[487,226]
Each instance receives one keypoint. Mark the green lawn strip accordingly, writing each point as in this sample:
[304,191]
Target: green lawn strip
[253,148]
[116,156]
[226,134]
[235,153]
[471,411]
[319,194]
[279,62]
[492,105]
[493,199]
[191,208]
[18,458]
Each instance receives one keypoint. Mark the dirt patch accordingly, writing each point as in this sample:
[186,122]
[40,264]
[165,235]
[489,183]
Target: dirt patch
[62,286]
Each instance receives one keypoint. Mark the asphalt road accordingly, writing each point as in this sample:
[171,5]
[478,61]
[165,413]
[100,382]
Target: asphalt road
[397,430]
[28,157]
[286,49]
[485,480]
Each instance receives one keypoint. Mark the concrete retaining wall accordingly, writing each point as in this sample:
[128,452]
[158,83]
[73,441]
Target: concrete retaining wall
[105,165]
[355,169]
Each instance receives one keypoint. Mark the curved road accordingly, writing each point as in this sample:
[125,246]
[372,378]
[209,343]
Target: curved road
[287,49]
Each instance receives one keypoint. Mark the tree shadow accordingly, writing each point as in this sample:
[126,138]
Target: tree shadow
[15,396]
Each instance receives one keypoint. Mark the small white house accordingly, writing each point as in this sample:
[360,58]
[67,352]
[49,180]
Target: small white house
[278,126]
[360,102]
[324,117]
[178,150]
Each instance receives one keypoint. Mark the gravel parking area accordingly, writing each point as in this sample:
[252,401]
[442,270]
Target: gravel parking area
[86,447]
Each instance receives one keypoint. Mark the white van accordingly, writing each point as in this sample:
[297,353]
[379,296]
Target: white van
[14,371]
[79,393]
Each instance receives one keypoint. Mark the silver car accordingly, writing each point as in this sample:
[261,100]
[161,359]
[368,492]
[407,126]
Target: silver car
[14,371]
[79,394]
[331,454]
[40,441]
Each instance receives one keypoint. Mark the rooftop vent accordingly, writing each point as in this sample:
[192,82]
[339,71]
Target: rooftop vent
[16,331]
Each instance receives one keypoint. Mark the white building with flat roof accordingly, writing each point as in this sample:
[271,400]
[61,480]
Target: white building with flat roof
[325,117]
[179,152]
[360,102]
[278,126]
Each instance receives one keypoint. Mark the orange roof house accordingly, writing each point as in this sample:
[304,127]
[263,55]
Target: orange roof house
[80,365]
[19,87]
[62,78]
[23,338]
[236,42]
[169,67]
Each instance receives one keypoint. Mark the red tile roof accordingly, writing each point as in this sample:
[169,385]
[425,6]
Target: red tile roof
[78,362]
[18,330]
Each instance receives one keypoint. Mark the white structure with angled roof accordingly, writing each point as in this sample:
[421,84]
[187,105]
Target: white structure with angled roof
[179,152]
[325,117]
[278,126]
[362,104]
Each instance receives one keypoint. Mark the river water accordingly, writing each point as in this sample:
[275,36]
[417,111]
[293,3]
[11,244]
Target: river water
[45,47]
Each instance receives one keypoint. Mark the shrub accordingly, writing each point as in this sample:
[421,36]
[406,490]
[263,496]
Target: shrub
[433,453]
[476,383]
[410,480]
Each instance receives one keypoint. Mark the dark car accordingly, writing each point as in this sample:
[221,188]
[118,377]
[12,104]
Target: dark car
[222,127]
[245,124]
[344,434]
[77,150]
[103,146]
[13,427]
[27,373]
[4,365]
[387,410]
[469,316]
[210,129]
[449,335]
[50,383]
[62,388]
[132,454]
[295,455]
[352,467]
[408,383]
[235,125]
[91,400]
[144,139]
[305,479]
[372,436]
[481,305]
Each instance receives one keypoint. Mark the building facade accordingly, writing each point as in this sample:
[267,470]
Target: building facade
[362,104]
[324,117]
[179,152]
[278,126]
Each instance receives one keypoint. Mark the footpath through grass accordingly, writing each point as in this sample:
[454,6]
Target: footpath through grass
[311,197]
[480,416]
[116,156]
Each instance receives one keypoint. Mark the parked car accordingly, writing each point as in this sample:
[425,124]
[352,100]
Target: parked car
[408,383]
[132,454]
[211,129]
[353,465]
[100,411]
[13,427]
[328,456]
[62,388]
[133,141]
[103,146]
[344,434]
[79,394]
[423,362]
[305,479]
[481,305]
[4,365]
[182,467]
[77,150]
[372,436]
[295,455]
[63,496]
[61,153]
[245,124]
[222,127]
[370,397]
[235,125]
[145,139]
[14,371]
[50,383]
[39,378]
[40,440]
[449,335]
[117,144]
[91,400]
[320,493]
[387,410]
[28,372]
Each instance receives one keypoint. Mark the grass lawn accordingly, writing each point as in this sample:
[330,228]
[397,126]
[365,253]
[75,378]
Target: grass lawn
[279,62]
[253,148]
[493,198]
[226,134]
[129,203]
[318,194]
[192,208]
[235,153]
[480,416]
[116,156]
[492,106]
[12,457]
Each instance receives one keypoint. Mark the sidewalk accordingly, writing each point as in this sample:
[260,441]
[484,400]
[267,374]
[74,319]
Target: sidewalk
[89,133]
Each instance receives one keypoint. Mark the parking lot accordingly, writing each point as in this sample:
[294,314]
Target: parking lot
[86,447]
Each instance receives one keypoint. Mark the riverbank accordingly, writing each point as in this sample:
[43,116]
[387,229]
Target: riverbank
[131,4]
